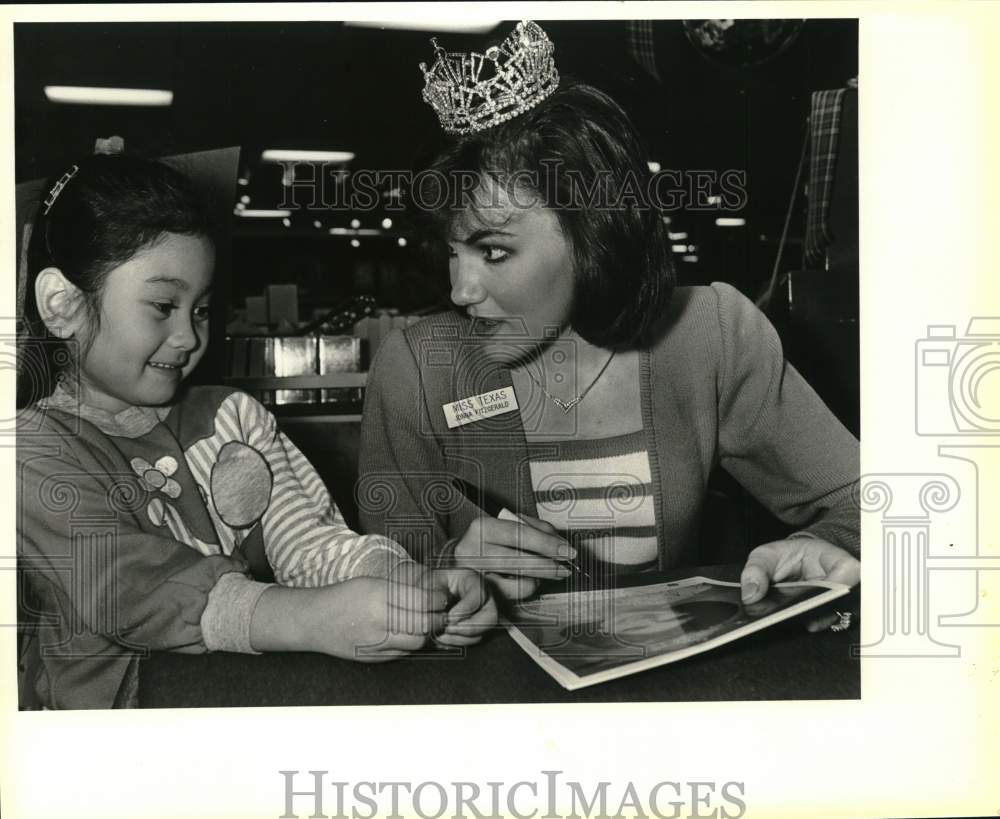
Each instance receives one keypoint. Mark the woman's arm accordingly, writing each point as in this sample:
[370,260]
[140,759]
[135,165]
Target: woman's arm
[400,457]
[776,436]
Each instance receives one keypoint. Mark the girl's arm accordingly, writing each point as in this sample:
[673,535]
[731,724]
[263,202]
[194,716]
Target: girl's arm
[380,618]
[308,543]
[81,547]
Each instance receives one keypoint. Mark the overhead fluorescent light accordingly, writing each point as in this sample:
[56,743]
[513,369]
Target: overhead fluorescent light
[426,24]
[689,258]
[85,95]
[339,231]
[679,248]
[294,155]
[724,222]
[257,213]
[677,236]
[654,167]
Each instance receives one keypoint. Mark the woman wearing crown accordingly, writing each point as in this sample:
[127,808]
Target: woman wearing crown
[575,387]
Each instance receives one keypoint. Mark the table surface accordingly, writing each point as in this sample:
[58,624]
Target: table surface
[781,662]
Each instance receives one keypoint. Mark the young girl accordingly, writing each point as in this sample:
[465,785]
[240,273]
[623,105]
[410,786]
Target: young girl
[149,512]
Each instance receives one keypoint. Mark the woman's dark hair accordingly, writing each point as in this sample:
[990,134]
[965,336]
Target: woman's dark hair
[112,207]
[592,170]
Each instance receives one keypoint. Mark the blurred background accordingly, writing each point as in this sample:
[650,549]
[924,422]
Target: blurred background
[772,101]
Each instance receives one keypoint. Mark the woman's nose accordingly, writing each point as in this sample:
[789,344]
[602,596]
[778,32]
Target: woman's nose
[466,287]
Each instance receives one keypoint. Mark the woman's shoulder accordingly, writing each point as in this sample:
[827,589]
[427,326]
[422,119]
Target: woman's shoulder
[702,315]
[402,346]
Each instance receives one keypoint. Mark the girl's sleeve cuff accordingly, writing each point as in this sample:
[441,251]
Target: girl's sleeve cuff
[225,622]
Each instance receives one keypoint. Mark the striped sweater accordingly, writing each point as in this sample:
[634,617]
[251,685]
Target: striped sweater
[143,530]
[598,494]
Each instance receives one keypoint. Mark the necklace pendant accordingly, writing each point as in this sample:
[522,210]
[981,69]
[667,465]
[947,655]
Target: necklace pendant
[565,406]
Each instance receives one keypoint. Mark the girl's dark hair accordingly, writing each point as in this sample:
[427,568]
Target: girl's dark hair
[592,170]
[111,208]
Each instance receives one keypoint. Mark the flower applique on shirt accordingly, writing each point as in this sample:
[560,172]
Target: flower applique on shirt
[156,476]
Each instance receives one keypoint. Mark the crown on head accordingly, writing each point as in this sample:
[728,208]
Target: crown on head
[473,92]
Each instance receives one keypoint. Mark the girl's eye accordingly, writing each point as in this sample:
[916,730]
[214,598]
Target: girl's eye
[201,312]
[451,252]
[492,253]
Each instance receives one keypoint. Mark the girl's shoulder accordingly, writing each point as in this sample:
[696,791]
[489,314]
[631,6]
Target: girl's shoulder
[215,403]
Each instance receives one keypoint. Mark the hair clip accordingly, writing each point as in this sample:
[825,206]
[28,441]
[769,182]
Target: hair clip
[50,200]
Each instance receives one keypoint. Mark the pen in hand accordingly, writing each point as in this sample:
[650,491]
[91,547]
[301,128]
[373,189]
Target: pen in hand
[570,563]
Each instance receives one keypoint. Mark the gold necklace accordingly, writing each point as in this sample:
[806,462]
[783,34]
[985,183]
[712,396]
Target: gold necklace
[566,406]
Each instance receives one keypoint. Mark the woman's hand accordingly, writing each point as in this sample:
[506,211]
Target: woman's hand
[515,555]
[472,611]
[800,558]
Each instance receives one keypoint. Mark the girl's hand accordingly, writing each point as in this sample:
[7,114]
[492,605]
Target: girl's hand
[473,609]
[801,558]
[366,618]
[516,554]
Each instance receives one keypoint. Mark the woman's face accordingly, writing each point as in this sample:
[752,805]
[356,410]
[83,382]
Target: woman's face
[512,270]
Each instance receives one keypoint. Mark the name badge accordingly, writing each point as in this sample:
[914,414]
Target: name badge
[477,407]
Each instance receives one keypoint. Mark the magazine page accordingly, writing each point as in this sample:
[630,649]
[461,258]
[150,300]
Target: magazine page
[587,637]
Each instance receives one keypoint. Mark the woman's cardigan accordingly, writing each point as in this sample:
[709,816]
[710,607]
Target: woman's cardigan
[715,389]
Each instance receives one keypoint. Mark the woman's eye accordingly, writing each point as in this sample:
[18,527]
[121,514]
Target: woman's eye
[164,307]
[201,312]
[451,252]
[491,253]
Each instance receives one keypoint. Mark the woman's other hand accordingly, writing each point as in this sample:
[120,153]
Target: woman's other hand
[800,558]
[472,610]
[515,555]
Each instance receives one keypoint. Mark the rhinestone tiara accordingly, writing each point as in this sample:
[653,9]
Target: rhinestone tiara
[472,92]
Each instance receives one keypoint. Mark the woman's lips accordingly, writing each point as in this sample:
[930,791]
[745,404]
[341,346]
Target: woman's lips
[482,326]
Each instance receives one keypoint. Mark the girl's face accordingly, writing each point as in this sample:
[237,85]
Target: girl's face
[512,270]
[153,324]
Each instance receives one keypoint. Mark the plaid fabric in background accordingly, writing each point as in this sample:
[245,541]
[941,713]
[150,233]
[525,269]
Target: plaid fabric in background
[824,130]
[640,45]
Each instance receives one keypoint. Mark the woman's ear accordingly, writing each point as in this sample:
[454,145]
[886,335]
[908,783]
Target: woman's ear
[60,303]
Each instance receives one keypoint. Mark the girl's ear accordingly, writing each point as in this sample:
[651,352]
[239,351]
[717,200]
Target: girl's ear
[60,303]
